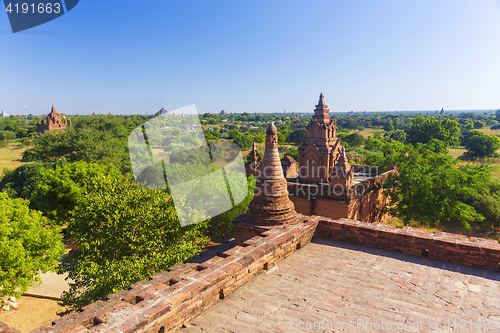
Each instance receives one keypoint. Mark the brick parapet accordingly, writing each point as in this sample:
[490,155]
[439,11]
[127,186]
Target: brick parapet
[473,252]
[169,299]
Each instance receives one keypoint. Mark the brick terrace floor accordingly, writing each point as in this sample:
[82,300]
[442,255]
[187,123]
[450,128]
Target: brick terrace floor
[339,284]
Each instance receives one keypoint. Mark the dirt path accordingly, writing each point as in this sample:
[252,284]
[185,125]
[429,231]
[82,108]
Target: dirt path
[32,313]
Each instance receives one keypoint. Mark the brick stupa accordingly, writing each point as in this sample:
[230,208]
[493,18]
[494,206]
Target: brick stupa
[271,205]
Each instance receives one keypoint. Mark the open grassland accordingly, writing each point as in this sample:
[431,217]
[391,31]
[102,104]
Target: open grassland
[370,132]
[489,131]
[10,156]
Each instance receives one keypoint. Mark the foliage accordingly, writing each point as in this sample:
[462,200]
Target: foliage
[293,152]
[244,141]
[221,225]
[124,234]
[479,144]
[422,130]
[354,139]
[22,181]
[297,136]
[479,124]
[59,190]
[398,135]
[27,246]
[7,135]
[281,137]
[430,187]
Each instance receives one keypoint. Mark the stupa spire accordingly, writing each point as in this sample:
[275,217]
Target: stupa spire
[271,204]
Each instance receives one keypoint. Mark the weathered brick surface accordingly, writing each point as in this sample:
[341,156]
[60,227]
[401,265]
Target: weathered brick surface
[473,252]
[341,282]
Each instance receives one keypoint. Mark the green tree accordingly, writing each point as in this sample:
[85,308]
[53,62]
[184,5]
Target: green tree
[222,225]
[430,187]
[422,130]
[23,181]
[482,145]
[244,141]
[281,137]
[479,124]
[354,140]
[124,234]
[297,136]
[27,246]
[60,189]
[399,135]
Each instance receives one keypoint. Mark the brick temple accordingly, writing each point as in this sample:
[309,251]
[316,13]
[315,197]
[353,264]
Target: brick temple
[53,121]
[327,185]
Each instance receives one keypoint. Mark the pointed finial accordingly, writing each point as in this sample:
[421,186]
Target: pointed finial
[271,129]
[321,99]
[53,110]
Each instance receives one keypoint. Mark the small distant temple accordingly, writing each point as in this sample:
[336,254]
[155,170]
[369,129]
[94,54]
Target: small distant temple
[223,112]
[163,112]
[4,114]
[53,121]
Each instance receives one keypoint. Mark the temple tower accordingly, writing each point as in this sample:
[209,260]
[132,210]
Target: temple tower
[321,147]
[271,204]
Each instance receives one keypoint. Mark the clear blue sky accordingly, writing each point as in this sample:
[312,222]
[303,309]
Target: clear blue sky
[130,57]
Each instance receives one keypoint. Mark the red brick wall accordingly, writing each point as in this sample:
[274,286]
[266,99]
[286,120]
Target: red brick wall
[474,252]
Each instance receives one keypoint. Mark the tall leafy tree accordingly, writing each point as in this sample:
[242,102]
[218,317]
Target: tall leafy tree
[27,246]
[124,234]
[429,187]
[422,130]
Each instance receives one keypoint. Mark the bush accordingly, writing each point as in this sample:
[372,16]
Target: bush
[27,246]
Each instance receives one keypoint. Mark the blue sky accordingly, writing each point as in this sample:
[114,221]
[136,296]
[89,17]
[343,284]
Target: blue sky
[128,57]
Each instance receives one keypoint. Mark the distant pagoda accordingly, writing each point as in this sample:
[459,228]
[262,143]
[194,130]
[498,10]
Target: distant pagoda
[53,121]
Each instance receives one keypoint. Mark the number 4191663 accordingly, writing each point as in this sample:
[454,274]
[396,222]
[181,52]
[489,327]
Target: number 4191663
[40,9]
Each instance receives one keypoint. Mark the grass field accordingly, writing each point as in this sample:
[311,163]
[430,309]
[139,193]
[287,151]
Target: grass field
[489,131]
[10,156]
[370,132]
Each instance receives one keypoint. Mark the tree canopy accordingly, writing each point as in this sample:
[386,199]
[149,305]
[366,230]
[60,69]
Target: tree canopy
[422,130]
[124,234]
[28,246]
